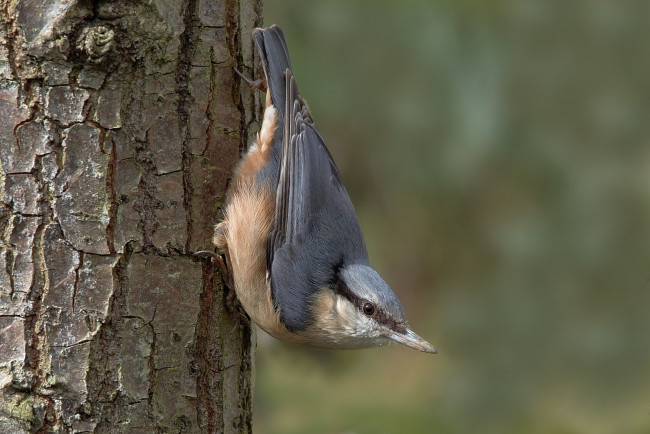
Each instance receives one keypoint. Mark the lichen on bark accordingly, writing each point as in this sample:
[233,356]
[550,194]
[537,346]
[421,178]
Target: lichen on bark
[120,124]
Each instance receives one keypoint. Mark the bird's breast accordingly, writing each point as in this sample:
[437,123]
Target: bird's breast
[248,219]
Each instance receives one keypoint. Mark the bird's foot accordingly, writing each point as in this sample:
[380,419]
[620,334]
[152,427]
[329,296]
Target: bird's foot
[232,306]
[257,84]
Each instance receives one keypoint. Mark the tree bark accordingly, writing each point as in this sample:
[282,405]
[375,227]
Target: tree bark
[120,124]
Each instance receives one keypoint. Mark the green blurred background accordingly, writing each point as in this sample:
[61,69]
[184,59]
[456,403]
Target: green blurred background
[498,155]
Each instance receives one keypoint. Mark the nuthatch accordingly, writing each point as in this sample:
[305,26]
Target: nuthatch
[294,245]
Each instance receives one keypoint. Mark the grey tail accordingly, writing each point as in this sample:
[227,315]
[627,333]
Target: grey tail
[275,60]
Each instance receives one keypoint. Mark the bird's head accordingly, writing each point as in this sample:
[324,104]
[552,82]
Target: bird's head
[360,310]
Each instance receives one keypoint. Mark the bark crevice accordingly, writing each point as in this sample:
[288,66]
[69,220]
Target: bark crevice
[186,52]
[120,123]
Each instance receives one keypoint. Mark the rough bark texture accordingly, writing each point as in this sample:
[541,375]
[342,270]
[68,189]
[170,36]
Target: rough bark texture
[120,123]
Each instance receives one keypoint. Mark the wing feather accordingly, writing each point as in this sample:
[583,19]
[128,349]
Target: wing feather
[315,225]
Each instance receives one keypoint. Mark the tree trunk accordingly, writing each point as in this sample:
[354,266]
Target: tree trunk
[120,123]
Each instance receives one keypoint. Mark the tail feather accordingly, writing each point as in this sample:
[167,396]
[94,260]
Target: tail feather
[275,59]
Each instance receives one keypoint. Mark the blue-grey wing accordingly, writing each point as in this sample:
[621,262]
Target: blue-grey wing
[315,228]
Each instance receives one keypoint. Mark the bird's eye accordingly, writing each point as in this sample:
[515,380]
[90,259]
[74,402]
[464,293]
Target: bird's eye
[368,308]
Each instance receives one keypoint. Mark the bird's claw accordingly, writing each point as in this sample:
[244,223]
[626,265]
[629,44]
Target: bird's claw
[233,308]
[257,84]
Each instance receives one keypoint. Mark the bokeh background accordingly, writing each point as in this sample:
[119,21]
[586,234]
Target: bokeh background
[498,155]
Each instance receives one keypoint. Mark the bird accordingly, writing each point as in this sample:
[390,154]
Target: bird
[291,239]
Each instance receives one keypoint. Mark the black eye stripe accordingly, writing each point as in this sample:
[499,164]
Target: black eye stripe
[384,318]
[379,315]
[342,289]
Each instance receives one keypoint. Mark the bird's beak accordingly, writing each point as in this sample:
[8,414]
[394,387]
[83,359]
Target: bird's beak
[410,339]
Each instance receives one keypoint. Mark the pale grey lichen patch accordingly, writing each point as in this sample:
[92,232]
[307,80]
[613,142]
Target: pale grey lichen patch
[68,372]
[5,67]
[62,262]
[65,104]
[77,300]
[32,138]
[82,203]
[11,114]
[21,241]
[13,302]
[12,345]
[75,303]
[93,294]
[6,281]
[39,19]
[43,136]
[24,193]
